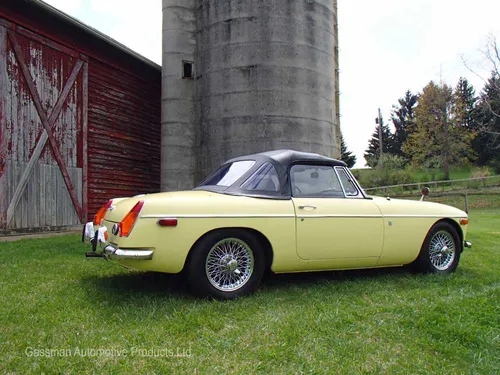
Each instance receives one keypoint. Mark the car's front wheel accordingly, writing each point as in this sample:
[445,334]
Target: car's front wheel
[226,264]
[440,251]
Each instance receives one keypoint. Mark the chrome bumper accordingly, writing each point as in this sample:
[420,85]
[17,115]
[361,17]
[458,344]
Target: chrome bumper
[467,244]
[112,252]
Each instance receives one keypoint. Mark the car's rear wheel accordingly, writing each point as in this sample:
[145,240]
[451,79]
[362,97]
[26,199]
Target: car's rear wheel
[226,264]
[440,251]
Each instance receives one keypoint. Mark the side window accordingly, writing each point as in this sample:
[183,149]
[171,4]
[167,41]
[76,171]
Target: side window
[263,179]
[315,181]
[349,187]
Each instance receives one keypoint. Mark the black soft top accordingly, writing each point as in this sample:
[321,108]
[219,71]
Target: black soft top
[282,161]
[288,157]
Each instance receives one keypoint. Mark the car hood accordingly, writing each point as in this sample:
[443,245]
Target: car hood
[390,206]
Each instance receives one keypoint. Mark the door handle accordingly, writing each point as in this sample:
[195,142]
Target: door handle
[307,206]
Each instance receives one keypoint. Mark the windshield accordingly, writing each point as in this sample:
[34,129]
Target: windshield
[228,174]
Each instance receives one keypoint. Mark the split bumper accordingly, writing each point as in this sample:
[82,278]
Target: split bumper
[116,253]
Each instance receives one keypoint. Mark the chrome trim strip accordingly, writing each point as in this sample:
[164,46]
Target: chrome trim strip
[117,253]
[304,216]
[211,216]
[370,216]
[420,216]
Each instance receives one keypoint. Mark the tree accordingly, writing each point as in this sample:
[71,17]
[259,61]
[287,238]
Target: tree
[372,153]
[346,155]
[487,142]
[464,111]
[403,118]
[464,102]
[438,138]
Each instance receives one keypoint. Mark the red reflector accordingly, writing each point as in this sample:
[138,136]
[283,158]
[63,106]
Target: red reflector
[464,221]
[102,212]
[167,222]
[128,222]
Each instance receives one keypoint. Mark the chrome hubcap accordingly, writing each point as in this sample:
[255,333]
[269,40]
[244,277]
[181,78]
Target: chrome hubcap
[229,264]
[442,250]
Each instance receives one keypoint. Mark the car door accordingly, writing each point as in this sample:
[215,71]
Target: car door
[333,218]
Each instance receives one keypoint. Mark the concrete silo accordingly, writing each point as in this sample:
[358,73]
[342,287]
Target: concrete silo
[264,77]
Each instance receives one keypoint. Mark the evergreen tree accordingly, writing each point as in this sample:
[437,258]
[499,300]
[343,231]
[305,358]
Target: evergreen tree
[346,156]
[403,118]
[372,153]
[465,113]
[465,99]
[487,143]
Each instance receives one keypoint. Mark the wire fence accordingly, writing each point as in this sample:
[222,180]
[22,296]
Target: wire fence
[445,186]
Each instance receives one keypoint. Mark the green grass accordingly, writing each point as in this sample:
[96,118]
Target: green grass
[386,321]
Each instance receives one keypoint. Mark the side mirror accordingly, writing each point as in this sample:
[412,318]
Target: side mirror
[425,193]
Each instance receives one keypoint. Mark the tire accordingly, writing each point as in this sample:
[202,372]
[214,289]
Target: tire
[217,271]
[440,252]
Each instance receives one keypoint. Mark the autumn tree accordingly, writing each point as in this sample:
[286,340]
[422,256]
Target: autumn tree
[403,119]
[346,155]
[438,138]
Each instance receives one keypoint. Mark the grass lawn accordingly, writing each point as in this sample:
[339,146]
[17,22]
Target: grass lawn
[351,322]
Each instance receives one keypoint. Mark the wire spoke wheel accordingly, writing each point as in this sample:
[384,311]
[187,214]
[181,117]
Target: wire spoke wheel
[229,264]
[442,250]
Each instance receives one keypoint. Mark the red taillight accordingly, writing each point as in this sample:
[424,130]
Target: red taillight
[102,212]
[129,220]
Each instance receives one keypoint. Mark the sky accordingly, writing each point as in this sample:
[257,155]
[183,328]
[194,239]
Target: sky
[386,48]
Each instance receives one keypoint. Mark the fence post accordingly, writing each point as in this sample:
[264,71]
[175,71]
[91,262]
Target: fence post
[466,203]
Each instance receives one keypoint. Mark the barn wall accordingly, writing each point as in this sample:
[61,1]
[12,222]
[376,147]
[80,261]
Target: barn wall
[107,134]
[124,135]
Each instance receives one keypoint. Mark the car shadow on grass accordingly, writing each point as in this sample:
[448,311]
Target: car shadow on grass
[136,285]
[389,275]
[146,286]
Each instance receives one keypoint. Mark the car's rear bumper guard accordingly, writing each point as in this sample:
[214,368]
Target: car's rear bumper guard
[112,252]
[467,244]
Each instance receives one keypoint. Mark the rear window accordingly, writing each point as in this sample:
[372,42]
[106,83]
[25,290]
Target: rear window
[228,174]
[263,179]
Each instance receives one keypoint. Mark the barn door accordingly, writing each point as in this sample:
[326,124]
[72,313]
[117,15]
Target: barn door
[43,116]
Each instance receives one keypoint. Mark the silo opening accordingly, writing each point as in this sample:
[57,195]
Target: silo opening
[187,69]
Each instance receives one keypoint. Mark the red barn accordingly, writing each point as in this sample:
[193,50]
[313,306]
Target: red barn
[79,119]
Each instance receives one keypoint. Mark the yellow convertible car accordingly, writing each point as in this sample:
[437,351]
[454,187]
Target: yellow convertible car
[284,211]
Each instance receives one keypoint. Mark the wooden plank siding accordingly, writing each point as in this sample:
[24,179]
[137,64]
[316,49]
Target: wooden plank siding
[79,121]
[124,137]
[41,100]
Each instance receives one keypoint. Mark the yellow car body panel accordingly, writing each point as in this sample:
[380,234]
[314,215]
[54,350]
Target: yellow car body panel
[339,233]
